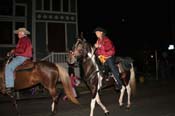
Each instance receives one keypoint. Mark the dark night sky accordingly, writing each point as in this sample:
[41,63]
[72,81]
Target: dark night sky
[132,25]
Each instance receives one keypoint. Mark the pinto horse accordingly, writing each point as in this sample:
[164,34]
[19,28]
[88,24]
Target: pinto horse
[45,73]
[95,78]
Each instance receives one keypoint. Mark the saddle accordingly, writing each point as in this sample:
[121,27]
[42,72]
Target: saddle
[123,69]
[27,64]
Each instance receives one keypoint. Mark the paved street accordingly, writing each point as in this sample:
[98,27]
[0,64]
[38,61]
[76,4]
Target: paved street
[153,99]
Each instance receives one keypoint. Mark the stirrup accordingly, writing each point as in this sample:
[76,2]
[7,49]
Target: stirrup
[9,91]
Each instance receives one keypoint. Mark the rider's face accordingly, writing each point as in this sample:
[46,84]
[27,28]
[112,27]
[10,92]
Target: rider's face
[21,34]
[99,34]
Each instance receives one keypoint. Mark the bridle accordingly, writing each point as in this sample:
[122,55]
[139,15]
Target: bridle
[81,48]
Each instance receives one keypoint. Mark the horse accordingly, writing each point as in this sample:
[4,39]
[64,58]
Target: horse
[32,73]
[96,79]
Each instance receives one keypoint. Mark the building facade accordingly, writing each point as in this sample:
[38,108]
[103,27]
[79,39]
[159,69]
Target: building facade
[53,24]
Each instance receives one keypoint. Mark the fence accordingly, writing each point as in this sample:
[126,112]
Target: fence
[56,57]
[61,59]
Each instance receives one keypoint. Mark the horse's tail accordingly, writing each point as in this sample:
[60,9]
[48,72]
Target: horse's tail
[132,80]
[65,79]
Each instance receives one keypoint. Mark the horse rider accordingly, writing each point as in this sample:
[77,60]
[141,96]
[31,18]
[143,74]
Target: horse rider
[105,51]
[22,52]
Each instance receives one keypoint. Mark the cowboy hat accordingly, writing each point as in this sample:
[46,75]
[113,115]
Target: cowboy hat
[100,29]
[22,30]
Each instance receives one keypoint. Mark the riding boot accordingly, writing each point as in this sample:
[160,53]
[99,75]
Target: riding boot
[117,87]
[3,90]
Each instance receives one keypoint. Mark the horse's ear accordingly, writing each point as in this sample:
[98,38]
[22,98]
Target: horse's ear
[84,40]
[79,39]
[82,37]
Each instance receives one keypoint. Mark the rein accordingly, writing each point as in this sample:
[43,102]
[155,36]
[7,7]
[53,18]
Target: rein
[9,59]
[92,75]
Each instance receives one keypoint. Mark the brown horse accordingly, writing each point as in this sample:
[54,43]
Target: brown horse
[96,79]
[41,72]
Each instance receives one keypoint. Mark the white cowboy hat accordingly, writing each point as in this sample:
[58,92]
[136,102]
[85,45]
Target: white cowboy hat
[22,30]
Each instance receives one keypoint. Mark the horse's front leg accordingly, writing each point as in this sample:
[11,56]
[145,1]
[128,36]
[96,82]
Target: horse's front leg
[93,101]
[122,91]
[101,105]
[13,99]
[54,100]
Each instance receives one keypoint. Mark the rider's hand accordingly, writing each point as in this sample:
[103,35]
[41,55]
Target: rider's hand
[97,45]
[8,54]
[11,53]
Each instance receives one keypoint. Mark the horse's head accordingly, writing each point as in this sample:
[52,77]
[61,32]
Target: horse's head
[78,48]
[81,48]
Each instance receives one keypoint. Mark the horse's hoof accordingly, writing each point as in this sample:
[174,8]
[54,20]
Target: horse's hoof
[106,113]
[128,107]
[121,105]
[52,114]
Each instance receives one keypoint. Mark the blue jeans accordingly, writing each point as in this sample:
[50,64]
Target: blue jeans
[9,70]
[114,69]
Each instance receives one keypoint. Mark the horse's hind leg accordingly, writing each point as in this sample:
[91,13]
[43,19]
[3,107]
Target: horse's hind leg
[101,105]
[122,91]
[128,88]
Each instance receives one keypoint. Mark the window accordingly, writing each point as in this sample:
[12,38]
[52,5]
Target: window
[6,32]
[46,4]
[38,4]
[56,5]
[20,11]
[6,7]
[73,5]
[65,5]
